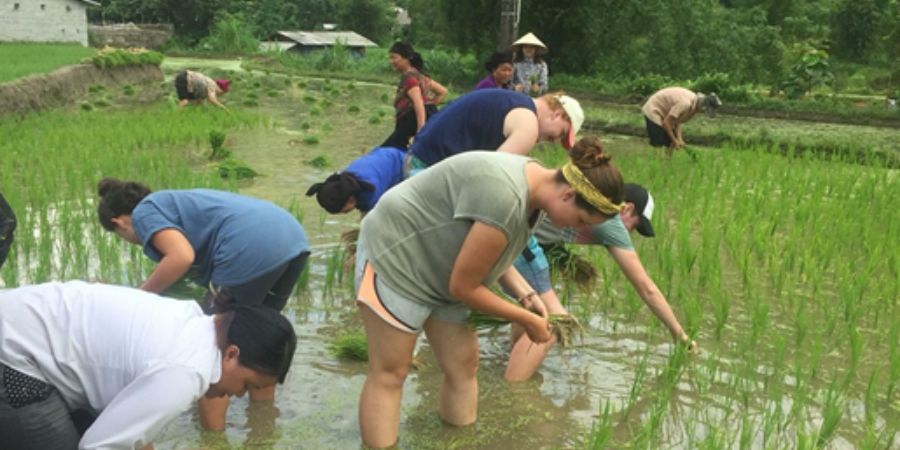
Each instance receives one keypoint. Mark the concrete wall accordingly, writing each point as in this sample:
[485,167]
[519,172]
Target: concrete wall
[44,21]
[130,35]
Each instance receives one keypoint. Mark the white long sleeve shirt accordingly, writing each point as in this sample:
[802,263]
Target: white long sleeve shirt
[136,358]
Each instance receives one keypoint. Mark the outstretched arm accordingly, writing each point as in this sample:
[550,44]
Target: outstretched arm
[177,257]
[631,266]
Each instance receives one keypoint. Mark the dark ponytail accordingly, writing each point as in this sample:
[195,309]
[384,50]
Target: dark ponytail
[117,198]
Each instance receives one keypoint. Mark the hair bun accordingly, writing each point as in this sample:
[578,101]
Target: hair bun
[588,153]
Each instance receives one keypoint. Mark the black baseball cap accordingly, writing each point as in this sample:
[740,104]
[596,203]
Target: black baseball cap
[643,207]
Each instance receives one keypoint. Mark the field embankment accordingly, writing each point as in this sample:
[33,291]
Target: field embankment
[65,85]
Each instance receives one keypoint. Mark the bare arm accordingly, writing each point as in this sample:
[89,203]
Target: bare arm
[440,92]
[480,251]
[214,99]
[671,126]
[521,130]
[177,257]
[631,266]
[415,94]
[517,285]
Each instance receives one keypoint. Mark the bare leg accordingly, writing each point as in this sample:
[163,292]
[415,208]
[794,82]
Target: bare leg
[390,355]
[526,357]
[456,349]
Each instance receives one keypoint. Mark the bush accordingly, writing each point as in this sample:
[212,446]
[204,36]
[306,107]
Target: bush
[722,84]
[231,35]
[645,85]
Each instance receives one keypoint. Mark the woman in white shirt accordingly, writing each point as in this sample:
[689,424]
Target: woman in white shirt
[135,359]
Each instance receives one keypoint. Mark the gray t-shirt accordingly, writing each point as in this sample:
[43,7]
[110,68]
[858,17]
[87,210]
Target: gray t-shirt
[414,234]
[611,233]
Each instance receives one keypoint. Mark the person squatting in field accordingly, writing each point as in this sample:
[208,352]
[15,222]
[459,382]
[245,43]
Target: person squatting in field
[667,110]
[247,251]
[127,361]
[432,247]
[194,87]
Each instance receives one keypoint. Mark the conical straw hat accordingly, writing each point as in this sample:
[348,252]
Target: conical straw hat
[530,39]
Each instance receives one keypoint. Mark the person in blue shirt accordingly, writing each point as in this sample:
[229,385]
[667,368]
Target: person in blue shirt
[247,251]
[361,183]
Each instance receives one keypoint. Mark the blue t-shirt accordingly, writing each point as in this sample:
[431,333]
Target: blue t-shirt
[235,238]
[472,122]
[383,168]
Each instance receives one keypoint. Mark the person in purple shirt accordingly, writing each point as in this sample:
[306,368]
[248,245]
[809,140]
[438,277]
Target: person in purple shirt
[362,183]
[500,72]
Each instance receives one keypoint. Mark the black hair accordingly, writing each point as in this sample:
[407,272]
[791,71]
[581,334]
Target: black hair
[518,55]
[496,59]
[117,198]
[403,49]
[418,63]
[333,193]
[266,339]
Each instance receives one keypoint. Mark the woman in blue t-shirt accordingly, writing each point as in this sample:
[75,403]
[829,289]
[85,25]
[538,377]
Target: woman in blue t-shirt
[361,183]
[247,251]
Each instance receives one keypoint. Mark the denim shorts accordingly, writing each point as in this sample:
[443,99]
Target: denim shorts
[401,312]
[533,265]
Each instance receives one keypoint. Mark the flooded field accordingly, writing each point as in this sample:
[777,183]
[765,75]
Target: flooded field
[785,270]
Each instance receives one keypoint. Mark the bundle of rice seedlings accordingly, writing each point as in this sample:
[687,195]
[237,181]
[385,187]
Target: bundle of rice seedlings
[349,238]
[352,345]
[572,266]
[565,327]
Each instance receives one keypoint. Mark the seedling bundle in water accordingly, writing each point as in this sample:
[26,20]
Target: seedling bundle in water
[351,345]
[564,326]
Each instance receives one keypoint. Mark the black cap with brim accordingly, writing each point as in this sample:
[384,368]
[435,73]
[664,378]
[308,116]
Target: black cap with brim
[643,207]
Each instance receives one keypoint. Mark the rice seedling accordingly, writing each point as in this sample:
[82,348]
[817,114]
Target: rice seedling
[217,145]
[128,90]
[85,106]
[353,109]
[273,93]
[235,169]
[350,345]
[311,139]
[374,119]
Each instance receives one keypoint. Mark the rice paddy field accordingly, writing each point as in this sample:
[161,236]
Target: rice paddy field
[785,269]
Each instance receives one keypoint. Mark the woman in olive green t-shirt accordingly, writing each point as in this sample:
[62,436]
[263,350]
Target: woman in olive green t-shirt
[431,247]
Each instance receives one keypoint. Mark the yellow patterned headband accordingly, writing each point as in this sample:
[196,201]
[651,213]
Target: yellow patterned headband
[586,189]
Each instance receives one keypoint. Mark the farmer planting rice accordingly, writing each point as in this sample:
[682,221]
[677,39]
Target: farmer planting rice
[666,112]
[194,87]
[495,119]
[248,252]
[526,356]
[431,248]
[361,183]
[417,95]
[131,358]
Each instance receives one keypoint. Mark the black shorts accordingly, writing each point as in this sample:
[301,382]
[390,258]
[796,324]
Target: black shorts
[271,289]
[181,87]
[7,227]
[657,134]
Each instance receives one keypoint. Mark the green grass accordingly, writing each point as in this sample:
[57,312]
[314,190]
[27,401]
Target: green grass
[22,59]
